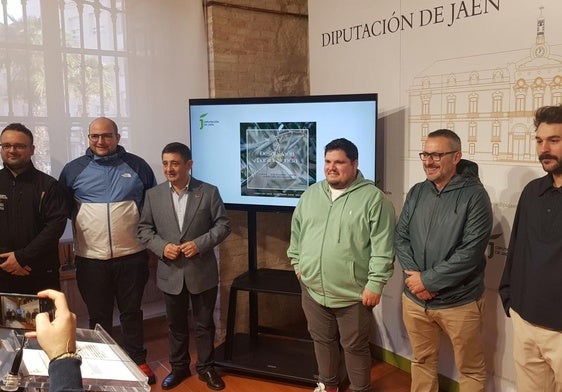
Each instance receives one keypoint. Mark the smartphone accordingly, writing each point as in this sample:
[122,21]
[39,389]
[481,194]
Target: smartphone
[18,311]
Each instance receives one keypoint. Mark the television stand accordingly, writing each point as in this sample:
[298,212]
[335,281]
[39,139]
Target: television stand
[263,351]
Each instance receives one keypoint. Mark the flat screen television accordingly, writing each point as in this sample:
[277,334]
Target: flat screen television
[263,153]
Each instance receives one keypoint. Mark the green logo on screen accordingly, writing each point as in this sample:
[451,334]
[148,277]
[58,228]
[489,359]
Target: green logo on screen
[201,120]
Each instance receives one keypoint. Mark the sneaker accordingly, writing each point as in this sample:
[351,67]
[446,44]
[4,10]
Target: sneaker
[148,372]
[322,388]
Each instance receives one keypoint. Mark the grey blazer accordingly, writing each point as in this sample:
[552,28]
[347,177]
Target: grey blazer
[205,222]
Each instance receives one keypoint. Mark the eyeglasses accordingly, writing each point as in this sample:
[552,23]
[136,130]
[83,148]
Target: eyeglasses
[104,136]
[17,146]
[435,156]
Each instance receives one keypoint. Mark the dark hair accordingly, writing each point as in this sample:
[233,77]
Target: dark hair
[346,146]
[454,139]
[19,127]
[178,148]
[113,124]
[549,115]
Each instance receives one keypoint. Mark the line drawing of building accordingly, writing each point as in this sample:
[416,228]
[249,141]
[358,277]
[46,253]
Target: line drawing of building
[488,100]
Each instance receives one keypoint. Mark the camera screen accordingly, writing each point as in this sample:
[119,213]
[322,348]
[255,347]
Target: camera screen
[19,311]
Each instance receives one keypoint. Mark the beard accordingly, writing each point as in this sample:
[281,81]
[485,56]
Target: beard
[552,169]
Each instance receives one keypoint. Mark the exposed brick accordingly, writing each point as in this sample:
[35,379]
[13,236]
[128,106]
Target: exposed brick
[253,53]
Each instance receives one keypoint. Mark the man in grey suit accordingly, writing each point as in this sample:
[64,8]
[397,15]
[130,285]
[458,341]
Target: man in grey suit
[182,220]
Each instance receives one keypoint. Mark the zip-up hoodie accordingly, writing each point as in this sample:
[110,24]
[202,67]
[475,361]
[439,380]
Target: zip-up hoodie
[107,193]
[343,246]
[443,234]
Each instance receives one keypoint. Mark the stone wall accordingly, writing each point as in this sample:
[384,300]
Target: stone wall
[258,48]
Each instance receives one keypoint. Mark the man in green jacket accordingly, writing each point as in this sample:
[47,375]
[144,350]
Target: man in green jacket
[440,240]
[342,251]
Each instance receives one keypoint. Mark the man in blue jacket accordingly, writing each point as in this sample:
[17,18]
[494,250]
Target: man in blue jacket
[440,241]
[106,187]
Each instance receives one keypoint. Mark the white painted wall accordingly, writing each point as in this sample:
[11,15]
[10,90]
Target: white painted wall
[482,38]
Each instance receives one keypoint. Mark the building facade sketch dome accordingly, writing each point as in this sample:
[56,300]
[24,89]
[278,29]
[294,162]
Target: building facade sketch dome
[488,99]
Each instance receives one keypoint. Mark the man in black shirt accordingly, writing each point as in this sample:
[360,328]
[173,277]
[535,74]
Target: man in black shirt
[32,217]
[530,287]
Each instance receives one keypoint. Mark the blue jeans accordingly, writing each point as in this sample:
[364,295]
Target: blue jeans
[122,280]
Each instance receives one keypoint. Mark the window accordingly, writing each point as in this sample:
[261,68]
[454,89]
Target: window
[425,106]
[538,88]
[556,90]
[85,57]
[497,102]
[497,76]
[519,102]
[520,95]
[472,128]
[451,104]
[425,131]
[473,104]
[496,129]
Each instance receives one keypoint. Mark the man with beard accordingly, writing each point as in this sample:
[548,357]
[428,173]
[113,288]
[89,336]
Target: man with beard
[32,217]
[341,250]
[440,241]
[530,287]
[105,188]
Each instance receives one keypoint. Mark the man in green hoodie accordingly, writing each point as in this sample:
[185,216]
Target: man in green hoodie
[341,250]
[440,240]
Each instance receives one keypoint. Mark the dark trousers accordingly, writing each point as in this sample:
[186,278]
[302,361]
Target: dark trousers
[30,284]
[203,306]
[332,327]
[122,280]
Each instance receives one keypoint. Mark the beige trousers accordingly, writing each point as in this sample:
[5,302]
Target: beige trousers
[463,325]
[538,356]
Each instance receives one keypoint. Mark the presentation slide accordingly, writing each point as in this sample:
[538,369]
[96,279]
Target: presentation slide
[277,159]
[269,153]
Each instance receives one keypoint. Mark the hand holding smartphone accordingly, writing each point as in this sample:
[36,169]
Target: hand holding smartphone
[56,336]
[18,311]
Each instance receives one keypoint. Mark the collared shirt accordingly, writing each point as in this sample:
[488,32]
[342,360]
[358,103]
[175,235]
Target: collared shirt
[531,281]
[552,199]
[180,203]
